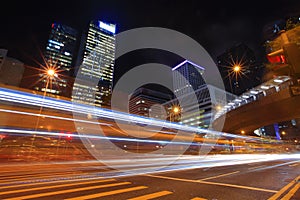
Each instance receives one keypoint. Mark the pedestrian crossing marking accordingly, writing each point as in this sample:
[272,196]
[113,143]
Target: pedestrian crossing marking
[54,186]
[103,194]
[67,191]
[30,178]
[152,195]
[48,182]
[30,175]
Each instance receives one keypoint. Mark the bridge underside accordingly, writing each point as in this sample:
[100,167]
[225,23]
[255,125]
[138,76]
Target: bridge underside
[278,107]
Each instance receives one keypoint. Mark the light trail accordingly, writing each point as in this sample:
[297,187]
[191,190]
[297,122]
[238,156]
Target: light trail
[36,132]
[182,162]
[63,105]
[160,165]
[52,116]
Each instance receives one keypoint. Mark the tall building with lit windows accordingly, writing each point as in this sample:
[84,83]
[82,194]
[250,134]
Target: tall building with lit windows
[60,54]
[145,102]
[188,72]
[95,62]
[188,82]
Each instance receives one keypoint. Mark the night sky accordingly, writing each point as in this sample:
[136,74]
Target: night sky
[216,25]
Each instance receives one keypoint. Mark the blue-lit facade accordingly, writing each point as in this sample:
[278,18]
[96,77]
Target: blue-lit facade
[96,62]
[187,83]
[60,53]
[191,73]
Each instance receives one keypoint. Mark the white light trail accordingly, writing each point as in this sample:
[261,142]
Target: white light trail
[33,132]
[53,117]
[63,105]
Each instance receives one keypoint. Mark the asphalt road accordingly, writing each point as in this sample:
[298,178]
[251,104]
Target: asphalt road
[277,179]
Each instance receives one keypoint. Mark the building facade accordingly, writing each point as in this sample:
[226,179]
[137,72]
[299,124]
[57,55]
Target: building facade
[147,102]
[188,83]
[60,54]
[190,73]
[95,62]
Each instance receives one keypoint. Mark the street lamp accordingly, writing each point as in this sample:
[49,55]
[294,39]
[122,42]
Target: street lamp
[236,68]
[51,73]
[174,111]
[218,107]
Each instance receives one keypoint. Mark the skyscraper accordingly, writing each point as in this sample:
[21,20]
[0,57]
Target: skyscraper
[189,84]
[60,54]
[190,72]
[96,61]
[145,101]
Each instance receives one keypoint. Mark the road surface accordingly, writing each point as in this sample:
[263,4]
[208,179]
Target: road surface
[273,179]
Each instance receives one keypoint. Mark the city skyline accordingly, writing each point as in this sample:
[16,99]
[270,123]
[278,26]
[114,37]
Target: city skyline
[137,100]
[216,27]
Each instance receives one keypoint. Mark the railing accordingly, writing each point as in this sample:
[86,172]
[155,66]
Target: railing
[268,88]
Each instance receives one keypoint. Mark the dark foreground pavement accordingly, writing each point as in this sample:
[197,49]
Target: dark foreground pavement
[82,180]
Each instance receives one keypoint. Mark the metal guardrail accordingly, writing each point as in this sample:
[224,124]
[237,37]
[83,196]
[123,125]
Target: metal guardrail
[268,88]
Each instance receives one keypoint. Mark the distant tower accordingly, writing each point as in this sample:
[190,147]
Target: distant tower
[96,61]
[60,54]
[190,72]
[189,83]
[145,101]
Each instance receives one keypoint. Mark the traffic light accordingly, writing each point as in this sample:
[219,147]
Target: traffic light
[293,56]
[286,61]
[277,59]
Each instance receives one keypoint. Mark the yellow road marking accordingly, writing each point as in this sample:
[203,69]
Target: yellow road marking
[20,177]
[151,196]
[67,191]
[37,177]
[285,188]
[214,183]
[48,182]
[102,194]
[291,192]
[256,167]
[198,198]
[221,175]
[293,165]
[54,186]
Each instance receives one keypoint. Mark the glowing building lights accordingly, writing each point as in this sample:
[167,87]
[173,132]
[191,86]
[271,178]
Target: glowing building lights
[97,63]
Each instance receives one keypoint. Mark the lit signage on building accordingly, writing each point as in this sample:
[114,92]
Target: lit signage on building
[109,27]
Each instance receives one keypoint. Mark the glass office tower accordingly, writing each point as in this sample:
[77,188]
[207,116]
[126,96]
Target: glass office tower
[96,63]
[60,54]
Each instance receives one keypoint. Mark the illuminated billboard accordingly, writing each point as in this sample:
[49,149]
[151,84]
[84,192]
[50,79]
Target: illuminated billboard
[109,27]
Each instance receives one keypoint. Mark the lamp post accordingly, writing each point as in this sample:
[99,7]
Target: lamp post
[175,110]
[49,74]
[235,71]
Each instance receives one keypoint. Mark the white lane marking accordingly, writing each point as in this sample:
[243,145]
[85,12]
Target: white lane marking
[221,175]
[214,183]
